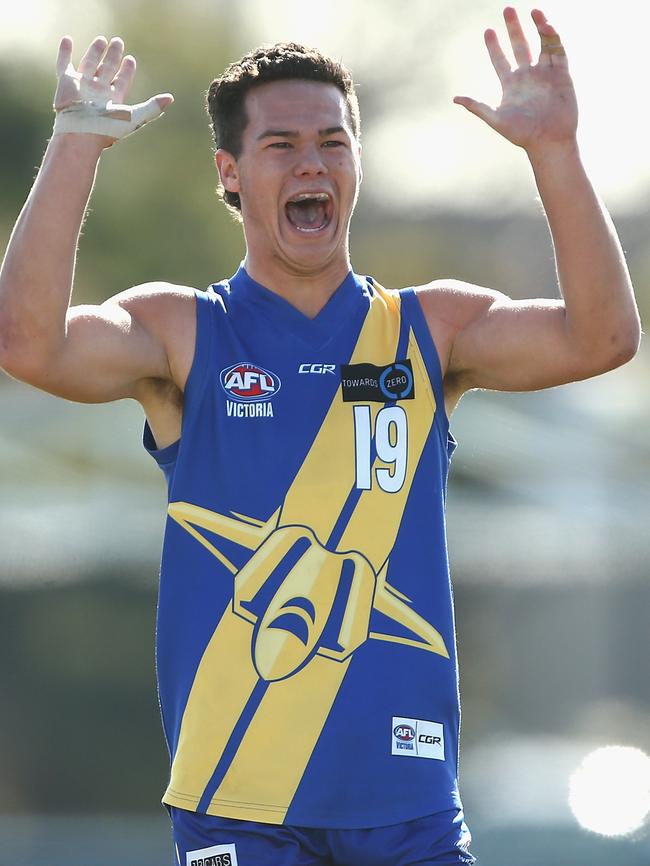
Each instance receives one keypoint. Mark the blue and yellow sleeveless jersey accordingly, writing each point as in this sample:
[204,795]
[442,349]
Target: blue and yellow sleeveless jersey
[305,639]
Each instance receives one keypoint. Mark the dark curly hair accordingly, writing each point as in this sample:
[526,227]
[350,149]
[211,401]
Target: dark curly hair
[285,60]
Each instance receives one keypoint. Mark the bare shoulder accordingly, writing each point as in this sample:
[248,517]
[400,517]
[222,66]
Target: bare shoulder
[168,313]
[456,302]
[450,306]
[153,303]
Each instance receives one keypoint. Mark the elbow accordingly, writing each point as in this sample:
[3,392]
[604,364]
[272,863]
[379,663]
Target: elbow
[608,352]
[627,345]
[622,348]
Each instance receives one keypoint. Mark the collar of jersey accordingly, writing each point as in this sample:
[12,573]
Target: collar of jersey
[352,296]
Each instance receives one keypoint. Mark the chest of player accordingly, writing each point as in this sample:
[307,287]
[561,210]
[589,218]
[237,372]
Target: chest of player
[354,423]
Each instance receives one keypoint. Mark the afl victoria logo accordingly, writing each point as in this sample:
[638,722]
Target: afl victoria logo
[405,733]
[249,383]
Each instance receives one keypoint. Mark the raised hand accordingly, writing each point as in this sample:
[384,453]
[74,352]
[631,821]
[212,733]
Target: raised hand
[538,103]
[90,99]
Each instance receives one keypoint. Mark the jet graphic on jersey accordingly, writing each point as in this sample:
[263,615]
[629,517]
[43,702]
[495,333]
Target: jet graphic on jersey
[301,598]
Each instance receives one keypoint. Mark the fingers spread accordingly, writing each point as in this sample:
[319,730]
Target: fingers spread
[552,51]
[94,53]
[91,99]
[112,60]
[480,109]
[164,100]
[152,108]
[64,57]
[124,78]
[498,58]
[520,47]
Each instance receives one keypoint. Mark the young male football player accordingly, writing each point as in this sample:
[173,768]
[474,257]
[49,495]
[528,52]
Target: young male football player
[306,653]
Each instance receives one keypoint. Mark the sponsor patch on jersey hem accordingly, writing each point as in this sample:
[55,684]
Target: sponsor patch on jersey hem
[418,738]
[217,855]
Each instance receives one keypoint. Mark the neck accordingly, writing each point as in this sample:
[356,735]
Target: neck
[308,291]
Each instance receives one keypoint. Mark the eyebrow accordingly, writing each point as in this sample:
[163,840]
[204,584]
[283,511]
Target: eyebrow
[290,133]
[277,133]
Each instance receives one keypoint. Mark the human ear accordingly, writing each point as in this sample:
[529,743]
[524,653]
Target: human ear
[228,171]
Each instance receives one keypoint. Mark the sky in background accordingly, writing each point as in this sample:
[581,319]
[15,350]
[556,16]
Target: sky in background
[429,150]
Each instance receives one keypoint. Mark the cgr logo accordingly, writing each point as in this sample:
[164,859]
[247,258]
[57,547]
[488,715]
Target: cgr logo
[418,738]
[317,368]
[405,733]
[249,383]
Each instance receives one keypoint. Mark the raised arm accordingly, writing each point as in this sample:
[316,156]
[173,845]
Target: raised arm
[89,353]
[490,341]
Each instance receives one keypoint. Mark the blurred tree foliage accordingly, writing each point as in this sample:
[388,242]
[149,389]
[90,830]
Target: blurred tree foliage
[79,727]
[24,107]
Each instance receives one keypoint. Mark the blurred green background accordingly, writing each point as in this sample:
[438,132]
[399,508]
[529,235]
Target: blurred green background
[548,499]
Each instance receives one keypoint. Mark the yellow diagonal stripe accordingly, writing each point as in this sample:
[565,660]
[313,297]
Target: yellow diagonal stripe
[374,523]
[276,747]
[328,473]
[219,690]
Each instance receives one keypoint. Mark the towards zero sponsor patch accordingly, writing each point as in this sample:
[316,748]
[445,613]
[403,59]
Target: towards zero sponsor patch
[377,384]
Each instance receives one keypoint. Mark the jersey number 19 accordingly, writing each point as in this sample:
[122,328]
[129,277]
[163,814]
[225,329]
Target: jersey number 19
[390,444]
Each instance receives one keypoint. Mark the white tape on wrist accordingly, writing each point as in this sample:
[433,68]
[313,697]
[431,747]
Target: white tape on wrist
[114,121]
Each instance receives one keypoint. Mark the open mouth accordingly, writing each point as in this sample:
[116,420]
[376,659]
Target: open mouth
[309,212]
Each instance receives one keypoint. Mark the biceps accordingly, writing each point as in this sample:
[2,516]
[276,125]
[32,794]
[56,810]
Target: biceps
[105,353]
[517,346]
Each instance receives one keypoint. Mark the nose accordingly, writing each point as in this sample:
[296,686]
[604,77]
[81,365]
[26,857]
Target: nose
[310,161]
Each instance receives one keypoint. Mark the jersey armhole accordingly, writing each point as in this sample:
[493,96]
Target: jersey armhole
[166,457]
[202,354]
[413,310]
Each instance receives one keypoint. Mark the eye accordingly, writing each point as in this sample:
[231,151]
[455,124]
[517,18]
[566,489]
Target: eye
[280,145]
[333,143]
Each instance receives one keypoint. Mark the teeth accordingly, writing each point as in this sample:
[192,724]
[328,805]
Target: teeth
[317,196]
[308,231]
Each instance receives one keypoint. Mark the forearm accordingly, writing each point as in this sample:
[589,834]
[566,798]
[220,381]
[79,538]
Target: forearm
[601,313]
[37,272]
